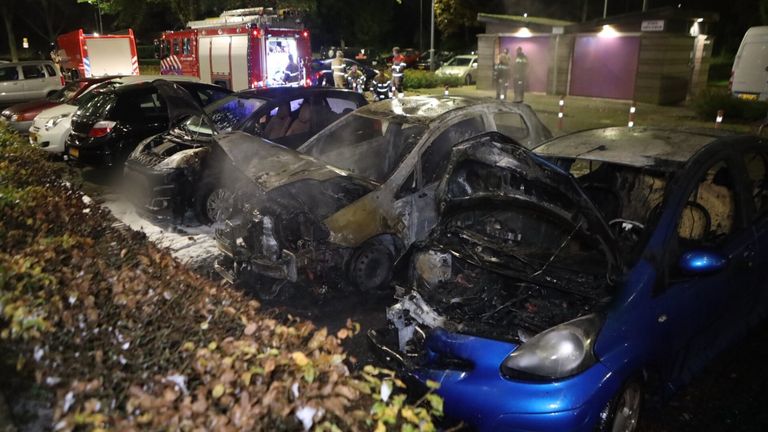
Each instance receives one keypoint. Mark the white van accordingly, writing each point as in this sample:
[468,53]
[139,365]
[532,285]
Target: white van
[749,77]
[28,80]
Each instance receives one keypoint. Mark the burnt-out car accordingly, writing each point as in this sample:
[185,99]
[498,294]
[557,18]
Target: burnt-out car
[559,285]
[184,168]
[347,204]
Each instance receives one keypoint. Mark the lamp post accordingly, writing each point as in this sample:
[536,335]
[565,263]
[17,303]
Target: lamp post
[432,39]
[605,9]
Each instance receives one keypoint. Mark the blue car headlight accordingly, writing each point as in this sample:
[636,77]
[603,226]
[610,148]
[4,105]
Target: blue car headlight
[559,352]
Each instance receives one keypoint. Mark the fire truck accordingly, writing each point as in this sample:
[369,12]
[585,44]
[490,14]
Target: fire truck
[82,55]
[243,48]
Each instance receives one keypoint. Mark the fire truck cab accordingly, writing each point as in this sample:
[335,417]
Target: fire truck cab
[82,55]
[240,49]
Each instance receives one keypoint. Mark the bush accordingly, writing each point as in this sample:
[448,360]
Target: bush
[416,79]
[122,336]
[710,101]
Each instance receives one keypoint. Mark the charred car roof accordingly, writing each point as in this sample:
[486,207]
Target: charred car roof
[421,109]
[641,147]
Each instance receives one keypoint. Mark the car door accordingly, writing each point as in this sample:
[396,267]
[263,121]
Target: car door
[141,113]
[11,87]
[34,82]
[415,204]
[699,314]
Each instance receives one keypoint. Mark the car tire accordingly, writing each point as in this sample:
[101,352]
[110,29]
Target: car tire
[371,267]
[468,80]
[209,195]
[622,413]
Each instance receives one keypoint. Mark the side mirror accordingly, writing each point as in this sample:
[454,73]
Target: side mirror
[699,262]
[474,65]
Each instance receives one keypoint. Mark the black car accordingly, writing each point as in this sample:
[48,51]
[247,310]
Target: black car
[440,57]
[182,169]
[107,128]
[322,74]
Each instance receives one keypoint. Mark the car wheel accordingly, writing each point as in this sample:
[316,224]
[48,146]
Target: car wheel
[213,203]
[371,267]
[468,80]
[622,413]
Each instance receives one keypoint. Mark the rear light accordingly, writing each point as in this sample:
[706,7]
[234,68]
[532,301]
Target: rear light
[28,116]
[308,83]
[101,129]
[305,34]
[62,80]
[257,33]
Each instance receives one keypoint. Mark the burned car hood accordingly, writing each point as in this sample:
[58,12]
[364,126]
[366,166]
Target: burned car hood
[518,249]
[493,167]
[269,165]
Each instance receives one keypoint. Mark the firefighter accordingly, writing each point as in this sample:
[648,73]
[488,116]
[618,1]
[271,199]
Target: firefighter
[382,87]
[291,70]
[520,74]
[337,65]
[355,79]
[398,69]
[501,72]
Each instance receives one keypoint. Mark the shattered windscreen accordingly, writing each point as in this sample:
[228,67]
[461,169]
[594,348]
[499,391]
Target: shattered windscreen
[369,147]
[227,113]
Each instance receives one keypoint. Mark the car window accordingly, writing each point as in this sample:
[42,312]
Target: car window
[9,73]
[50,70]
[341,106]
[32,71]
[138,106]
[227,113]
[187,46]
[97,104]
[709,215]
[511,124]
[757,170]
[435,157]
[209,95]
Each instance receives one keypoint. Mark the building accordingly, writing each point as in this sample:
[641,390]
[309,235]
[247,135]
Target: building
[659,56]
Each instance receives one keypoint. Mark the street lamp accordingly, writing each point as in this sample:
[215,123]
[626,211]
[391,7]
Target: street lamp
[432,40]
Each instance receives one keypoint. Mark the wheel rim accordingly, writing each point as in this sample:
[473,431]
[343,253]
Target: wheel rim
[372,268]
[627,410]
[218,205]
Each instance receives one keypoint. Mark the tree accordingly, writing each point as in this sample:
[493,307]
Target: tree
[48,18]
[6,9]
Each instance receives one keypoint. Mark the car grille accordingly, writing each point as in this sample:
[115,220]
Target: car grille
[148,160]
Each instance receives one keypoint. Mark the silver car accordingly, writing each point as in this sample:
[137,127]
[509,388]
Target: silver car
[351,200]
[28,80]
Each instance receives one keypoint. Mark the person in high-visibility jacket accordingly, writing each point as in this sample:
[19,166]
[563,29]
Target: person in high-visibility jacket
[337,65]
[398,69]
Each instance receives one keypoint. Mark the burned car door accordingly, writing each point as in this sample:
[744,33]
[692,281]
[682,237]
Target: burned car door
[756,170]
[415,204]
[709,260]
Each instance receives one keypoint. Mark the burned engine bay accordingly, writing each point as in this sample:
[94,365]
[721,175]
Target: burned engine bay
[522,247]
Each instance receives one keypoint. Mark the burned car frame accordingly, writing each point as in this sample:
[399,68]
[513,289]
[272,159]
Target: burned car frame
[534,313]
[383,163]
[184,169]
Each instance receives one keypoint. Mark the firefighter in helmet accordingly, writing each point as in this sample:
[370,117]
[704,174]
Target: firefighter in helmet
[398,69]
[355,79]
[382,87]
[337,65]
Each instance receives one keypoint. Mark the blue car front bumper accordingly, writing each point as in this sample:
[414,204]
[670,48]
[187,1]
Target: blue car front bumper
[482,397]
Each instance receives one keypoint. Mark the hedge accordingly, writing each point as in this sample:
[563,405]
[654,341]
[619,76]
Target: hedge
[417,79]
[119,335]
[709,102]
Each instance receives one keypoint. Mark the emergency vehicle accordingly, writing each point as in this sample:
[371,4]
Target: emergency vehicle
[243,48]
[82,55]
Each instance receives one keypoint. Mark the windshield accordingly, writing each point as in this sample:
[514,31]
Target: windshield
[66,92]
[459,61]
[227,113]
[369,147]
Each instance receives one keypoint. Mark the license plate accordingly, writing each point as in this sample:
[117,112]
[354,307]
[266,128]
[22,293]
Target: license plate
[74,152]
[32,138]
[748,96]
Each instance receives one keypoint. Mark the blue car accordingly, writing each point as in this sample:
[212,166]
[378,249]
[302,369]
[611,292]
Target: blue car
[563,284]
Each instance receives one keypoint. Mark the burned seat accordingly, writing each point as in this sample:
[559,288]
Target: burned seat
[303,123]
[279,124]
